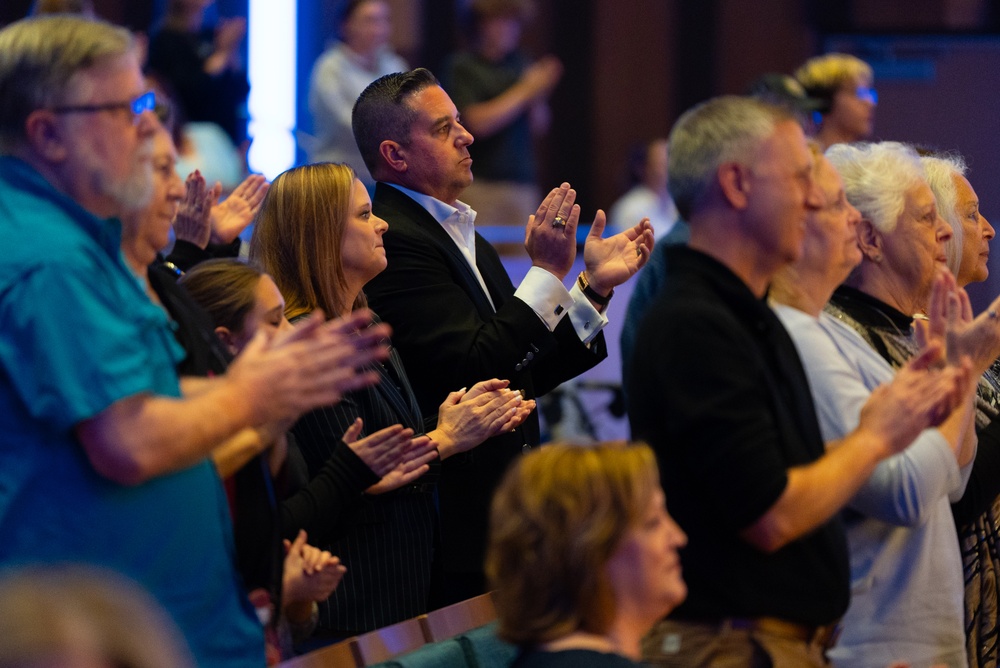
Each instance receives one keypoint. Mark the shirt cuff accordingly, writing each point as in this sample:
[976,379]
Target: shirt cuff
[587,320]
[546,295]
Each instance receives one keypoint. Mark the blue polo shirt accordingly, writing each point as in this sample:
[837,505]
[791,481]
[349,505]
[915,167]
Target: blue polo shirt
[77,333]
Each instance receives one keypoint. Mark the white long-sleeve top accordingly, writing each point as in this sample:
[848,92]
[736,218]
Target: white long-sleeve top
[906,571]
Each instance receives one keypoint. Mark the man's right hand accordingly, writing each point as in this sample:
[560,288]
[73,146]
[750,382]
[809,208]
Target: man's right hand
[553,248]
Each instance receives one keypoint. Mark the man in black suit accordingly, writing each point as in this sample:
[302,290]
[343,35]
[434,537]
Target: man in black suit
[457,317]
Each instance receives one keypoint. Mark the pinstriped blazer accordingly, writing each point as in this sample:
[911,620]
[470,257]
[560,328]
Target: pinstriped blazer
[389,543]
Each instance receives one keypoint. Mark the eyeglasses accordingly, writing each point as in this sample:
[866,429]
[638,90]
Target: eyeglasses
[143,103]
[867,94]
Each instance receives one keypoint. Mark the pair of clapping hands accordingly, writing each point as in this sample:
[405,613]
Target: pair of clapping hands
[202,218]
[287,374]
[550,239]
[465,419]
[955,349]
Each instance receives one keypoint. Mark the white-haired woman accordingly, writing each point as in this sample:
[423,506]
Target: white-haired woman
[968,252]
[904,241]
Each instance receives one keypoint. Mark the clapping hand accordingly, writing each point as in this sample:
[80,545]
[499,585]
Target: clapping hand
[233,214]
[612,261]
[466,419]
[192,222]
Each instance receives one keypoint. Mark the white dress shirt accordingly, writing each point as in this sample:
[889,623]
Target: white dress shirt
[540,289]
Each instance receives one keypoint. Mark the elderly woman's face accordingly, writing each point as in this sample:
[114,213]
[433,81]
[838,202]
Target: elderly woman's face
[853,109]
[645,570]
[976,234]
[831,238]
[916,247]
[168,190]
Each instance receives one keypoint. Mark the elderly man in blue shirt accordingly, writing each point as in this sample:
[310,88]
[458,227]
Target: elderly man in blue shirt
[102,448]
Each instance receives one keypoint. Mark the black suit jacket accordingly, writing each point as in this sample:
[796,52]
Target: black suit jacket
[449,337]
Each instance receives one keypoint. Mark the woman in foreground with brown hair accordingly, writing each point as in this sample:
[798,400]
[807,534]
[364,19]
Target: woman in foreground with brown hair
[583,555]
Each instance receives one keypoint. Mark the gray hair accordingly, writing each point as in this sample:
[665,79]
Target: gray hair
[381,112]
[721,130]
[38,58]
[941,171]
[877,177]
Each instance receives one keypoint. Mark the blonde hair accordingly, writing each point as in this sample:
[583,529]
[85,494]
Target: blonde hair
[39,57]
[557,517]
[823,75]
[297,238]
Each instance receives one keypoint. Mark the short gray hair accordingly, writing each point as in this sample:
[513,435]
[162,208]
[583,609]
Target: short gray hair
[38,58]
[721,130]
[877,177]
[941,172]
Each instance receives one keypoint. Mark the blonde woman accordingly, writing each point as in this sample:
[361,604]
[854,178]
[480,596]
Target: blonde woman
[845,84]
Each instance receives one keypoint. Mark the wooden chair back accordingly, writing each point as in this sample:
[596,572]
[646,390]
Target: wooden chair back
[385,643]
[341,655]
[458,618]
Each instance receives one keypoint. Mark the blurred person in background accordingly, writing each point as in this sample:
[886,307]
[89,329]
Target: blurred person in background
[647,196]
[202,63]
[845,84]
[502,97]
[340,74]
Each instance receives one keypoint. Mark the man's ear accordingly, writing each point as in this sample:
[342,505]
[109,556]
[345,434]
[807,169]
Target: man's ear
[733,183]
[45,136]
[392,153]
[869,240]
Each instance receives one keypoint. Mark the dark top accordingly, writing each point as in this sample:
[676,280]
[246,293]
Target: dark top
[647,286]
[179,57]
[388,542]
[506,155]
[723,400]
[451,337]
[572,658]
[321,505]
[186,255]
